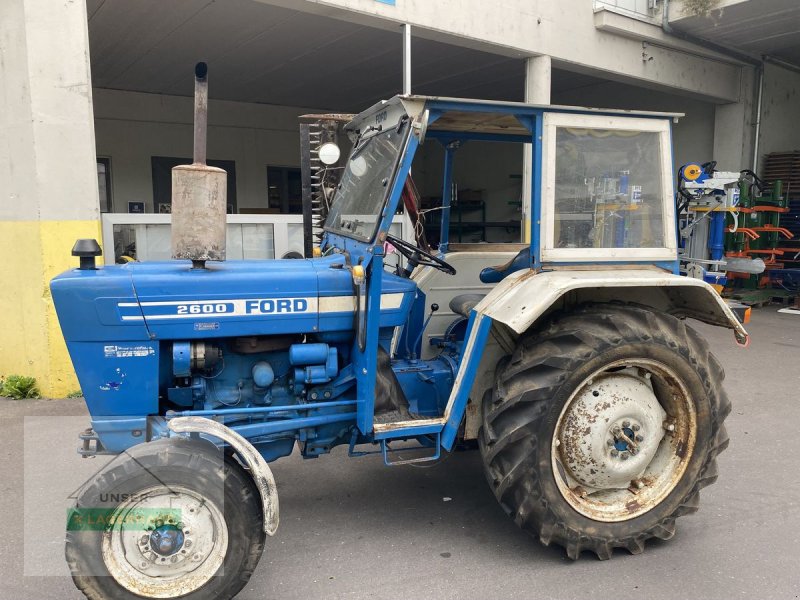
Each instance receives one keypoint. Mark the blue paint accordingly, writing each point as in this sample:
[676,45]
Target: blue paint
[477,332]
[716,237]
[447,198]
[536,193]
[181,359]
[287,364]
[447,137]
[263,375]
[308,354]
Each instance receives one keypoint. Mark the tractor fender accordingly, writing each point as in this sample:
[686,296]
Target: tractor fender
[523,298]
[259,469]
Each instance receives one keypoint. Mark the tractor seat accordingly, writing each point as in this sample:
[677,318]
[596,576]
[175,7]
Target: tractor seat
[496,274]
[464,303]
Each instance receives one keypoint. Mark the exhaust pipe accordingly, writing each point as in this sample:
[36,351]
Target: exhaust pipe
[199,192]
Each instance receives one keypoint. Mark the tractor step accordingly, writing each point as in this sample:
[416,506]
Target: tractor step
[386,450]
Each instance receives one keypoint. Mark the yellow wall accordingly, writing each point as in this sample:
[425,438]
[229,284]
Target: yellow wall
[33,252]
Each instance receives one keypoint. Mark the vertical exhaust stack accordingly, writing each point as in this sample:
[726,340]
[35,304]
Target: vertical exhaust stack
[199,193]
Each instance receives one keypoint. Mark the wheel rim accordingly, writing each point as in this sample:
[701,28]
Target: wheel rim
[165,542]
[623,440]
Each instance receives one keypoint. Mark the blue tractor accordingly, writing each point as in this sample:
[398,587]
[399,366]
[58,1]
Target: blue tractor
[566,358]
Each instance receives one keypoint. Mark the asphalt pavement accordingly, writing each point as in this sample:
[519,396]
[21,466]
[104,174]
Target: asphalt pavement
[353,528]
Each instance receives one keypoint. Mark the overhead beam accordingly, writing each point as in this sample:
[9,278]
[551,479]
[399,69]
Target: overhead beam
[568,34]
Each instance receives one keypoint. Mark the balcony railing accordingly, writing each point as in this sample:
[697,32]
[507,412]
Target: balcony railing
[643,9]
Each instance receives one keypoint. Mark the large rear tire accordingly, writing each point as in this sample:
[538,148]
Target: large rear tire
[602,428]
[173,518]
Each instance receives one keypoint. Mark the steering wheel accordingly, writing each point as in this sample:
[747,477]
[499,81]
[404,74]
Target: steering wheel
[418,257]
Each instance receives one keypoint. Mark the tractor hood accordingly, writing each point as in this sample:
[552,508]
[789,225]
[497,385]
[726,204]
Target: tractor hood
[170,300]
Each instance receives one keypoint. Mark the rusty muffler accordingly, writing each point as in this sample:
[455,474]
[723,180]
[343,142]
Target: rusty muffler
[199,192]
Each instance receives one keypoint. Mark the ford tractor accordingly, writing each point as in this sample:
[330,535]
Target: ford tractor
[566,359]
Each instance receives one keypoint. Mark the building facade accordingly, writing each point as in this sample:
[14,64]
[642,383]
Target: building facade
[96,108]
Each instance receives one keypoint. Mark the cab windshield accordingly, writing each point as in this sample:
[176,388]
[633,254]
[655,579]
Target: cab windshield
[356,206]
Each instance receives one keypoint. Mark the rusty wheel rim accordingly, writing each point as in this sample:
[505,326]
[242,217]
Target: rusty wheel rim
[165,555]
[623,440]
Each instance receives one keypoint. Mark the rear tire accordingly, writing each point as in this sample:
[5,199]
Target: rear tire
[550,452]
[211,559]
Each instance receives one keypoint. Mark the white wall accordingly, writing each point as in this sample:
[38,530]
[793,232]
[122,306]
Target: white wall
[780,112]
[131,127]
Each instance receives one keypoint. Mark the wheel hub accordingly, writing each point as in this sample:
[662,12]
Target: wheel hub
[166,540]
[611,431]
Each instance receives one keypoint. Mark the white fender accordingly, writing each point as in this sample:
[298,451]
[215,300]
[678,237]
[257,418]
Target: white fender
[524,297]
[520,299]
[259,469]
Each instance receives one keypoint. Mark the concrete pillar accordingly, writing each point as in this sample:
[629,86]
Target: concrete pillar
[734,126]
[538,71]
[48,178]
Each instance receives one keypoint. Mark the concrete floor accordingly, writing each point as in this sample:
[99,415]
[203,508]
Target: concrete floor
[352,528]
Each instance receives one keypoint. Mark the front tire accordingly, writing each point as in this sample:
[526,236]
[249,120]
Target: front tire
[602,428]
[172,518]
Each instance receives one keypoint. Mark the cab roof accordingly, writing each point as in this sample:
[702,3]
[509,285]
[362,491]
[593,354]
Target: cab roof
[485,116]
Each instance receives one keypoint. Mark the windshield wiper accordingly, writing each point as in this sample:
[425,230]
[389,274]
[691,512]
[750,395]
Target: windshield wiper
[364,141]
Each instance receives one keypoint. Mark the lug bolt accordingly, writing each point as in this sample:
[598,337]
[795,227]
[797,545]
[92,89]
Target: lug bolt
[616,430]
[637,483]
[144,565]
[609,442]
[557,443]
[636,427]
[624,456]
[144,540]
[639,438]
[626,423]
[633,451]
[615,452]
[669,426]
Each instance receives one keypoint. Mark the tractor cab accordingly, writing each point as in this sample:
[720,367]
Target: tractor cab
[601,208]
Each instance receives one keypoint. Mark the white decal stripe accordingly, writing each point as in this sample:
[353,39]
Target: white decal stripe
[334,304]
[244,307]
[390,301]
[312,301]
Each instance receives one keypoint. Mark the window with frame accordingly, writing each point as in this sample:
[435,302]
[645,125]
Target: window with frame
[284,190]
[606,188]
[104,183]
